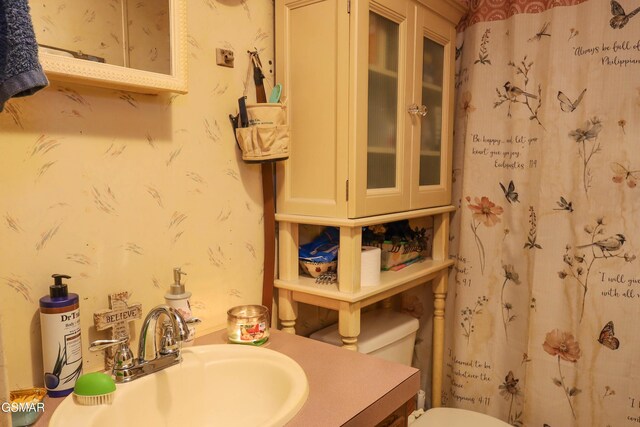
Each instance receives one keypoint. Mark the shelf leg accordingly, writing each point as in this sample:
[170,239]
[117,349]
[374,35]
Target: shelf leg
[349,324]
[441,236]
[439,286]
[287,310]
[287,270]
[288,239]
[349,258]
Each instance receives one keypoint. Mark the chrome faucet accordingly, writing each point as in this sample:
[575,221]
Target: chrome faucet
[127,368]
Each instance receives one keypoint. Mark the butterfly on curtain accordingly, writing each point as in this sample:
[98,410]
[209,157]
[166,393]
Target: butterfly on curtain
[565,103]
[621,173]
[607,338]
[510,192]
[620,19]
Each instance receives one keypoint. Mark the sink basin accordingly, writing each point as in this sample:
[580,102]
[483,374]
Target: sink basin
[214,385]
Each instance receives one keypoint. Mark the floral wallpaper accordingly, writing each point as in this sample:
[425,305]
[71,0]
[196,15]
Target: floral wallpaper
[543,296]
[116,189]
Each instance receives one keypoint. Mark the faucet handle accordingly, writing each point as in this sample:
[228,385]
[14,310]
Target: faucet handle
[168,344]
[123,357]
[98,345]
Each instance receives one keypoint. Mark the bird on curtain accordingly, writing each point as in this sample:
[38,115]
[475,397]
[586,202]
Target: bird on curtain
[515,91]
[610,244]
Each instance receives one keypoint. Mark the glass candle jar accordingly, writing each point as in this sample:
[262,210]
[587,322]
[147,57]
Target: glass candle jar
[248,324]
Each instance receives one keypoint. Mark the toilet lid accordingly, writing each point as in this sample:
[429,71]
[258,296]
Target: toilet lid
[453,417]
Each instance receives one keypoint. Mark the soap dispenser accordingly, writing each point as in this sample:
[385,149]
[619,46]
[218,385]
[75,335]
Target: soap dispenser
[61,341]
[178,298]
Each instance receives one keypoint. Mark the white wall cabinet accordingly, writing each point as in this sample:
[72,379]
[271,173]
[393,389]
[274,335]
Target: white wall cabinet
[369,89]
[368,86]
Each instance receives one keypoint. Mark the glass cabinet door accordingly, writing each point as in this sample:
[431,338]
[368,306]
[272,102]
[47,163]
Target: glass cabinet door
[382,125]
[432,111]
[431,126]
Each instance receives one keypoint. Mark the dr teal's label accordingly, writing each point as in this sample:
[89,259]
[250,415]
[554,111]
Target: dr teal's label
[63,361]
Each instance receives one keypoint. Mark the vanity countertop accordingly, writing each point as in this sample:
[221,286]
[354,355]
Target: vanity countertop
[345,387]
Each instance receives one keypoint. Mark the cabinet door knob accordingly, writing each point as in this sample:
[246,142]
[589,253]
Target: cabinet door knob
[416,110]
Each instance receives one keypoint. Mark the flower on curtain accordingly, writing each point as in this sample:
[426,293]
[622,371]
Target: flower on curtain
[510,275]
[587,138]
[484,212]
[469,313]
[563,344]
[510,390]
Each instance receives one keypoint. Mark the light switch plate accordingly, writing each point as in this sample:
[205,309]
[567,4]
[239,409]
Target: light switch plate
[224,57]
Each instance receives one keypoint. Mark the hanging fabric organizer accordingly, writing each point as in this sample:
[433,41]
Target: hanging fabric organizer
[261,129]
[267,136]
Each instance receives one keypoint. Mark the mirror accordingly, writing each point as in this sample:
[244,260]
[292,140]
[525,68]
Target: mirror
[135,45]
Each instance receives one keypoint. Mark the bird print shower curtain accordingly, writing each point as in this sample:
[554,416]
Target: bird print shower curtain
[544,300]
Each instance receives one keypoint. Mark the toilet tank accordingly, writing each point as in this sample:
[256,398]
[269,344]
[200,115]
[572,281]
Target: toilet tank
[384,333]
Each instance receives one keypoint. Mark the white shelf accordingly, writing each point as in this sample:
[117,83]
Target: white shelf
[377,69]
[432,86]
[382,150]
[391,283]
[393,151]
[364,221]
[430,153]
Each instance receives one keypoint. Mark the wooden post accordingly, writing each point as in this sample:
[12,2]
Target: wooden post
[349,259]
[288,237]
[439,295]
[287,311]
[349,324]
[441,236]
[269,224]
[439,287]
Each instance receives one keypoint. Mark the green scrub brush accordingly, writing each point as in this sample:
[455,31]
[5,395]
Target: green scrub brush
[95,388]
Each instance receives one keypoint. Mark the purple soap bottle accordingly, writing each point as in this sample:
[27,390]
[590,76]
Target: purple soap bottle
[61,338]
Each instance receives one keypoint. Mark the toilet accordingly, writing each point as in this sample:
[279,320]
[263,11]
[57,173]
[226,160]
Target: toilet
[387,334]
[391,335]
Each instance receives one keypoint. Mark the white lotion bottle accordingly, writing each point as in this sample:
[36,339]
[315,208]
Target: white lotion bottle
[178,298]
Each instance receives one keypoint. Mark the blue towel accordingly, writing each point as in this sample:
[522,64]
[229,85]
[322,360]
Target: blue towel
[20,71]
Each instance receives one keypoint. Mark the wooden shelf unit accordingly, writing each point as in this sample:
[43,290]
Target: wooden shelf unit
[348,297]
[371,144]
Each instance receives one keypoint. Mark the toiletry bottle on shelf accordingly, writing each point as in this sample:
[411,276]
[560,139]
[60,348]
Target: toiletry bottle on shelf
[61,341]
[178,298]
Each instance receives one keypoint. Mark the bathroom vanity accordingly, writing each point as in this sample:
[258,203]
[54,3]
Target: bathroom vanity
[346,388]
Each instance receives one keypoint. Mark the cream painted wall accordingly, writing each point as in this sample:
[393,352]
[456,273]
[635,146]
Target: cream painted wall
[97,28]
[148,36]
[100,22]
[116,189]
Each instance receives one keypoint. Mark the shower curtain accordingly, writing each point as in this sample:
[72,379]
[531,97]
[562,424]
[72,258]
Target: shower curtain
[544,300]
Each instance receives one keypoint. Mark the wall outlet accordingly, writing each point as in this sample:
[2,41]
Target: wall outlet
[224,57]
